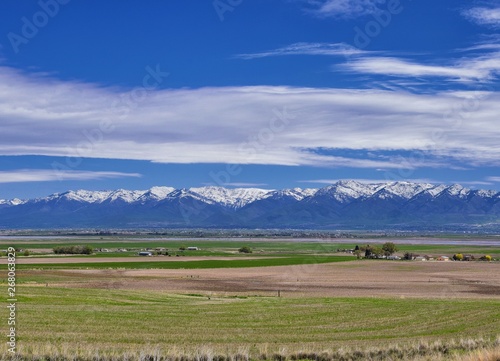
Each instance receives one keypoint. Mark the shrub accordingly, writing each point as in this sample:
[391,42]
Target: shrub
[245,249]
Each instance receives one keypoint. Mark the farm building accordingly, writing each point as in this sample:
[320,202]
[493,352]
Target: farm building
[192,248]
[145,253]
[443,258]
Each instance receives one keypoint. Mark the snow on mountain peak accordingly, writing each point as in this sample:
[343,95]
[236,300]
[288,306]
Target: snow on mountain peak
[237,197]
[436,190]
[157,193]
[406,190]
[343,190]
[125,195]
[296,193]
[458,190]
[12,202]
[128,196]
[83,196]
[486,193]
[162,191]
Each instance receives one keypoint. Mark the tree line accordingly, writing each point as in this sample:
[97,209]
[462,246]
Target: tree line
[73,250]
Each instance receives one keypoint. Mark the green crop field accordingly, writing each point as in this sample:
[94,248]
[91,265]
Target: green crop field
[232,263]
[223,246]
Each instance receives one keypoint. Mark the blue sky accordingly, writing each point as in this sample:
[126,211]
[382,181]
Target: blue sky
[247,93]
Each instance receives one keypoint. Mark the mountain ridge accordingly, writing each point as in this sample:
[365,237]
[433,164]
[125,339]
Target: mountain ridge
[346,203]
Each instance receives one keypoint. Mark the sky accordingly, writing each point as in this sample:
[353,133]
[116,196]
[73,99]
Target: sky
[272,94]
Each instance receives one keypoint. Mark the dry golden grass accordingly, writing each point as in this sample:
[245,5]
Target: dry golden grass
[482,355]
[464,350]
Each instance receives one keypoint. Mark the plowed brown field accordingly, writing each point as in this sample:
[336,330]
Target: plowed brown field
[345,279]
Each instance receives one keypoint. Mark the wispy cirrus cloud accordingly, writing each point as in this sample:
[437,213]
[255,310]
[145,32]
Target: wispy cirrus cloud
[365,181]
[44,175]
[485,67]
[495,179]
[483,64]
[488,16]
[331,49]
[242,184]
[473,183]
[345,8]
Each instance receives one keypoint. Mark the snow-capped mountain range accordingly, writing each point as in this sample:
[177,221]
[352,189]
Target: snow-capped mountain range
[343,204]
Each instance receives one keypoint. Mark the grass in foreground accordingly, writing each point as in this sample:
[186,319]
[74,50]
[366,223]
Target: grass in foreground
[463,350]
[64,321]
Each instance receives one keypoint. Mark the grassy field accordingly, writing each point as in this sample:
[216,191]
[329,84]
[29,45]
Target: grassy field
[228,309]
[259,246]
[118,321]
[202,264]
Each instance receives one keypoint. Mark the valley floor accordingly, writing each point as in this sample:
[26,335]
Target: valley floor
[116,308]
[365,278]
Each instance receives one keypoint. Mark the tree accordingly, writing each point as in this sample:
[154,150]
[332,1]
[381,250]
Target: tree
[368,251]
[73,250]
[409,256]
[389,248]
[377,252]
[486,258]
[87,250]
[373,252]
[458,257]
[245,249]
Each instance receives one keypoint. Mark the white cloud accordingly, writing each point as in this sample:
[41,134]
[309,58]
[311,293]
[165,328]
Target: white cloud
[367,181]
[43,175]
[472,183]
[484,16]
[493,179]
[245,185]
[481,68]
[346,8]
[245,125]
[335,49]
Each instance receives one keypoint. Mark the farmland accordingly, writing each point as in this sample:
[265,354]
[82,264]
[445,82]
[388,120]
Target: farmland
[285,299]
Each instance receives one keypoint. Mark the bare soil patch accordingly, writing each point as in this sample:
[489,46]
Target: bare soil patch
[350,279]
